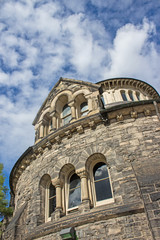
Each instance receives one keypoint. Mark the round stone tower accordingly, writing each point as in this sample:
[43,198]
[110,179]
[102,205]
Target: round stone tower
[93,172]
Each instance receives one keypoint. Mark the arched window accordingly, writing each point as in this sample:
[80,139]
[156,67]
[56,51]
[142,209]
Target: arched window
[130,93]
[74,191]
[138,96]
[51,200]
[101,182]
[124,97]
[84,109]
[66,115]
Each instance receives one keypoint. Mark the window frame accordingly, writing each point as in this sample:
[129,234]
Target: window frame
[67,115]
[93,189]
[85,112]
[47,198]
[67,187]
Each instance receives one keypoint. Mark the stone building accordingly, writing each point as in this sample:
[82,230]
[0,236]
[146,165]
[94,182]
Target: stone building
[94,170]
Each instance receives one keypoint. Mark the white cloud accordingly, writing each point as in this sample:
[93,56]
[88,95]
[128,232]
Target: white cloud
[134,55]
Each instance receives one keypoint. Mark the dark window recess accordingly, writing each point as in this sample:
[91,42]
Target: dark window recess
[52,199]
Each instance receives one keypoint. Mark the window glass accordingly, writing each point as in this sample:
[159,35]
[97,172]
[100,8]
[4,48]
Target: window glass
[66,110]
[123,94]
[52,199]
[101,181]
[84,109]
[131,95]
[66,114]
[138,96]
[74,191]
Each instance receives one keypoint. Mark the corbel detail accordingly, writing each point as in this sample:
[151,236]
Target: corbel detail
[147,112]
[92,124]
[58,139]
[40,150]
[68,133]
[119,117]
[134,114]
[80,129]
[48,145]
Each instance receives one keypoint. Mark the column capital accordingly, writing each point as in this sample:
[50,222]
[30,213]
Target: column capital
[82,173]
[71,103]
[57,182]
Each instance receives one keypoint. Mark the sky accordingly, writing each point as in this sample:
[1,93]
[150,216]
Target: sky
[90,40]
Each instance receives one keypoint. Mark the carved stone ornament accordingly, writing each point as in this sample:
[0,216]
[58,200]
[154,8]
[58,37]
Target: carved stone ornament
[120,117]
[68,133]
[40,150]
[134,114]
[147,112]
[33,156]
[92,124]
[80,129]
[48,145]
[58,139]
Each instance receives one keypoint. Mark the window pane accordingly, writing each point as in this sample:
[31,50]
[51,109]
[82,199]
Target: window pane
[74,181]
[52,199]
[84,106]
[75,191]
[66,110]
[52,191]
[103,190]
[100,171]
[138,95]
[123,96]
[84,113]
[67,119]
[131,96]
[102,183]
[52,205]
[74,197]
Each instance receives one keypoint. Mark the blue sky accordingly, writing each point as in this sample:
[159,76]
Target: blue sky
[92,40]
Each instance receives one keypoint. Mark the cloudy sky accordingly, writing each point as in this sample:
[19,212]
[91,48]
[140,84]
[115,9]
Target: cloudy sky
[93,40]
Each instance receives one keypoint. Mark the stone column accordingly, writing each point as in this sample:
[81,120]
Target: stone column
[58,185]
[85,205]
[73,110]
[82,173]
[41,130]
[89,101]
[54,120]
